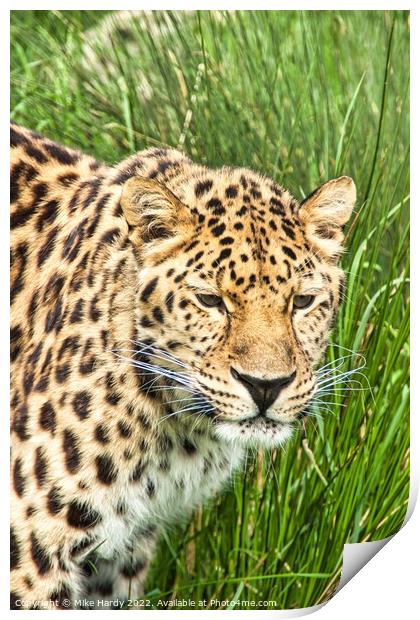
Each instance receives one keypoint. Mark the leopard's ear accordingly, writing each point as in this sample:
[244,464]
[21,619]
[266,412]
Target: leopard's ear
[152,211]
[324,213]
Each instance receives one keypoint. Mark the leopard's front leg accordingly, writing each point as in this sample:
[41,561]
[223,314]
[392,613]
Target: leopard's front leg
[120,582]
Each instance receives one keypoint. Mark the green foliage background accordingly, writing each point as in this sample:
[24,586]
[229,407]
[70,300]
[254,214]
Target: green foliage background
[303,97]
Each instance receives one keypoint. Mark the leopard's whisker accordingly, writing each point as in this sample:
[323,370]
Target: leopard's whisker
[194,408]
[167,388]
[334,389]
[329,369]
[164,372]
[334,361]
[341,376]
[152,351]
[157,352]
[182,400]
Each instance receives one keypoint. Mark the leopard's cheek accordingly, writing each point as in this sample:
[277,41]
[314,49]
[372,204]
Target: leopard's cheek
[169,317]
[312,334]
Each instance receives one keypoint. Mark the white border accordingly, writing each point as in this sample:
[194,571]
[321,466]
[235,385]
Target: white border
[201,5]
[387,586]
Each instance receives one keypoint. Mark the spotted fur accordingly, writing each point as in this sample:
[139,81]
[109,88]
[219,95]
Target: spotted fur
[127,411]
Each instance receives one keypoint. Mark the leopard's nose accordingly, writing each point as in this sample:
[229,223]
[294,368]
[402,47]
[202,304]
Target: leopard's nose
[263,391]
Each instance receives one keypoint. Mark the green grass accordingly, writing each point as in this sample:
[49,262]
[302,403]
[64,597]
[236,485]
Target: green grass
[303,97]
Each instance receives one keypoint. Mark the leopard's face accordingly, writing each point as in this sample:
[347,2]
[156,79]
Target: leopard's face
[239,286]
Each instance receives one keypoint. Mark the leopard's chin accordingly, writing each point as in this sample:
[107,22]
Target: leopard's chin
[259,432]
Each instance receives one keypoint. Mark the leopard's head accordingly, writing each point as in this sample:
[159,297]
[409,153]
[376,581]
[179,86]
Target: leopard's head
[239,285]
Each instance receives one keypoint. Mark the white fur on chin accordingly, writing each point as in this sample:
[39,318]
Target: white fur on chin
[256,435]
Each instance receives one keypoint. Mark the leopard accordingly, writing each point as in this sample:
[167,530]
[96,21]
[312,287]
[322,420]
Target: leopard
[166,318]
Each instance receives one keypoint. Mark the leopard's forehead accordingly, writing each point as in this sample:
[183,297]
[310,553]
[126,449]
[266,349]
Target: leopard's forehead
[212,191]
[246,233]
[231,193]
[249,227]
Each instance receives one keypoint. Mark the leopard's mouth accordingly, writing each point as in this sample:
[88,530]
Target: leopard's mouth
[260,420]
[257,430]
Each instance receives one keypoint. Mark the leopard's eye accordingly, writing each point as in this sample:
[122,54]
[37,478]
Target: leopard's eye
[209,300]
[302,301]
